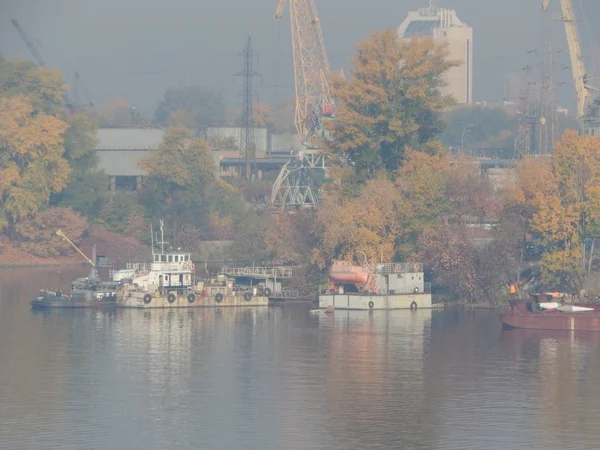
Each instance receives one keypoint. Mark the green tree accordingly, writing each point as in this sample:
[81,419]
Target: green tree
[88,189]
[391,101]
[180,173]
[483,127]
[201,105]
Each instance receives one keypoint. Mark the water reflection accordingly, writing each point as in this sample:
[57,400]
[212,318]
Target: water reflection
[281,378]
[377,359]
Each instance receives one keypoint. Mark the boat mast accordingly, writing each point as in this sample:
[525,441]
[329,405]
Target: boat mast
[152,240]
[162,238]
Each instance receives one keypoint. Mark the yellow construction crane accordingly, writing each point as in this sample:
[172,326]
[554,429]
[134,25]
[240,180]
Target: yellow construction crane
[311,68]
[588,112]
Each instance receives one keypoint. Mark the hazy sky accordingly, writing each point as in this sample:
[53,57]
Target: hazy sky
[138,48]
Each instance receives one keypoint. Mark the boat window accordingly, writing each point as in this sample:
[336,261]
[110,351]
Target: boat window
[176,258]
[170,258]
[187,257]
[156,258]
[163,258]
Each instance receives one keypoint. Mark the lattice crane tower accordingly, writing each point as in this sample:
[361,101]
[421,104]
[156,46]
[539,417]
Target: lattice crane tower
[588,110]
[311,67]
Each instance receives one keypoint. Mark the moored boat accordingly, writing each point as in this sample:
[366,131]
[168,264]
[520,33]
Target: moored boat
[526,314]
[169,281]
[86,292]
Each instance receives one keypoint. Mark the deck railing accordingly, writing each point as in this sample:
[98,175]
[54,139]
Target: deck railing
[258,272]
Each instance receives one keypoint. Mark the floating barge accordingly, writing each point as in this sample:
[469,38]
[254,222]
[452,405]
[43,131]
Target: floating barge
[527,314]
[380,287]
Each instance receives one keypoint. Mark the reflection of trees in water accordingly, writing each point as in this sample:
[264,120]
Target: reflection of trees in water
[34,353]
[375,381]
[565,383]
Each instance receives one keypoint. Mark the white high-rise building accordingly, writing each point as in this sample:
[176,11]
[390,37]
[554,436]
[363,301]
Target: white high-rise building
[445,27]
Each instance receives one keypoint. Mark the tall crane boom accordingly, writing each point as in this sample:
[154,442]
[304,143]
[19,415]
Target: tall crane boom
[577,61]
[34,51]
[311,67]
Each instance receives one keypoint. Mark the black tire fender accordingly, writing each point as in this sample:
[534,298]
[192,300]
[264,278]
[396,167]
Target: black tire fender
[248,296]
[219,298]
[413,306]
[191,297]
[171,298]
[147,298]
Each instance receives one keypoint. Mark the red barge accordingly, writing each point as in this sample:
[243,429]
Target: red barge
[527,314]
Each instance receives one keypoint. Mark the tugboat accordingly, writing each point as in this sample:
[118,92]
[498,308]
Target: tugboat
[86,292]
[169,282]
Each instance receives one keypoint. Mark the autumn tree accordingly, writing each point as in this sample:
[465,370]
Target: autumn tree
[32,166]
[201,106]
[569,214]
[38,237]
[391,101]
[44,88]
[367,225]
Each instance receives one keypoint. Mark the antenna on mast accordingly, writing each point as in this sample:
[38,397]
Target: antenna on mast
[152,239]
[162,237]
[433,4]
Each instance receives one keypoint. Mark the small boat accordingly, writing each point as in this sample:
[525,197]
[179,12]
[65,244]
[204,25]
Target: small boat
[527,314]
[86,292]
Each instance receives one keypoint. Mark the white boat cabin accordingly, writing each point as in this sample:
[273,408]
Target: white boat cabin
[170,271]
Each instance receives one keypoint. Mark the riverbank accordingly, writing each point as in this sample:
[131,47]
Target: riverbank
[116,247]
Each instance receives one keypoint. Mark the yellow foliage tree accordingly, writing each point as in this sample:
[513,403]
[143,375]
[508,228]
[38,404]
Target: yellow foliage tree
[391,101]
[566,208]
[367,225]
[32,166]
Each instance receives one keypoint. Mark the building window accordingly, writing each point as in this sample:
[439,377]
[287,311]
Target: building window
[126,183]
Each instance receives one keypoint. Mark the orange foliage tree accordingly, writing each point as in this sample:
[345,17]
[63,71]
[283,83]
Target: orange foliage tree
[391,101]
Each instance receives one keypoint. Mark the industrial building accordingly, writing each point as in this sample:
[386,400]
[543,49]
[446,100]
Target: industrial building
[445,27]
[120,150]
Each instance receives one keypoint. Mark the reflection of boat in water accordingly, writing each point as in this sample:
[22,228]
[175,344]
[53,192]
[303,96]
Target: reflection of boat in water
[528,314]
[522,336]
[169,282]
[86,292]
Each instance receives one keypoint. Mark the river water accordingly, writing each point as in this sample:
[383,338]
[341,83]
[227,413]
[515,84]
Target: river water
[282,378]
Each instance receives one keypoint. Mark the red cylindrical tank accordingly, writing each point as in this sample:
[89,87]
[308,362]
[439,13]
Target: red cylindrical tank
[345,272]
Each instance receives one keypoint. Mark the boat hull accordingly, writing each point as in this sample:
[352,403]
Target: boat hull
[66,302]
[140,299]
[355,301]
[582,321]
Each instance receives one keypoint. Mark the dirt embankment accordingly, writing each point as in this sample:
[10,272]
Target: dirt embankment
[116,247]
